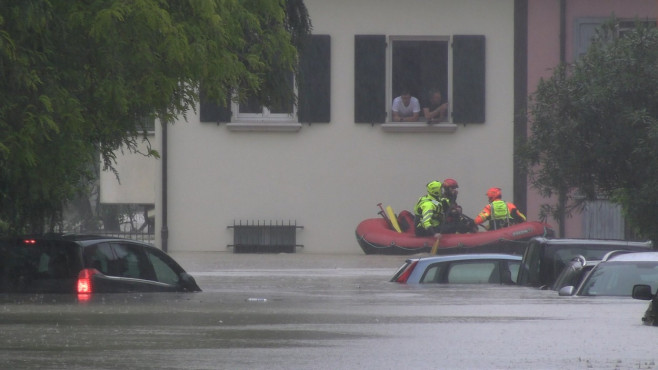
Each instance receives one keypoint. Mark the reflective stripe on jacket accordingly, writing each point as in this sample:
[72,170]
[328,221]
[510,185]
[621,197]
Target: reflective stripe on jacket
[429,212]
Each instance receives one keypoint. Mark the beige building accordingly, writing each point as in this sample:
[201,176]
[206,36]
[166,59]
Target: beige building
[326,164]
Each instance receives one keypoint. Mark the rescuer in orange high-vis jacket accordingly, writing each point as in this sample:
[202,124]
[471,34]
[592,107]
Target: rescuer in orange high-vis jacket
[498,212]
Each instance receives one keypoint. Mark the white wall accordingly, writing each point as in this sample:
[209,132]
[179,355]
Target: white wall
[329,177]
[138,176]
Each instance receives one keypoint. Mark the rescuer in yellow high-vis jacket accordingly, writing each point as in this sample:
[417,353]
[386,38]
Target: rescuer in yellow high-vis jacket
[429,211]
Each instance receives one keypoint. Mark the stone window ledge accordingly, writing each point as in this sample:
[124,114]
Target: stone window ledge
[419,127]
[264,126]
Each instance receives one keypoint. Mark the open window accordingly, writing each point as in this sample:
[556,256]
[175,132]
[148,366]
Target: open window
[419,65]
[453,64]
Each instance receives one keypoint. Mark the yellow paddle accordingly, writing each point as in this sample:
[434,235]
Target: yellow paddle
[393,219]
[435,247]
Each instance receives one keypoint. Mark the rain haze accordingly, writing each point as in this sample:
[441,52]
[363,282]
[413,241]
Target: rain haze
[235,176]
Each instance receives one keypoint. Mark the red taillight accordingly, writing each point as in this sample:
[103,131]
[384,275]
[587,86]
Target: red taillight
[29,241]
[84,281]
[405,275]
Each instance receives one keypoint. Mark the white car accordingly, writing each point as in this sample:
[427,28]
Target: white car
[616,275]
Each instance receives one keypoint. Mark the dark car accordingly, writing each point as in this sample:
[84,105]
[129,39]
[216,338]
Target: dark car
[485,268]
[545,258]
[88,264]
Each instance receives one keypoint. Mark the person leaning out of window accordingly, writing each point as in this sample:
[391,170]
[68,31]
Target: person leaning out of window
[435,110]
[406,108]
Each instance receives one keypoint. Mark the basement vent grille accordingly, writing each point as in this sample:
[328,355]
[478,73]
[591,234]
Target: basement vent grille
[265,237]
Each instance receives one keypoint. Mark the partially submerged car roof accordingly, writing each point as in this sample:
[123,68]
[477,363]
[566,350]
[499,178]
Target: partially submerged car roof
[81,239]
[583,241]
[635,257]
[466,256]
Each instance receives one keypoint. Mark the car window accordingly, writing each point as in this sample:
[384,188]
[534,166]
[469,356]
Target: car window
[618,278]
[166,270]
[514,267]
[132,262]
[463,272]
[433,273]
[529,273]
[100,257]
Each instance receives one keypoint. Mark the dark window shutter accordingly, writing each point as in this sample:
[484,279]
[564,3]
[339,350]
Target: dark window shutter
[370,78]
[468,61]
[315,80]
[213,112]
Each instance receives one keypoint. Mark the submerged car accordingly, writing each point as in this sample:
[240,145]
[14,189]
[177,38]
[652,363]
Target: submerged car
[617,274]
[574,272]
[486,268]
[86,264]
[545,258]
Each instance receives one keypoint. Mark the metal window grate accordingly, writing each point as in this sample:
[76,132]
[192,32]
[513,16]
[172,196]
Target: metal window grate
[257,237]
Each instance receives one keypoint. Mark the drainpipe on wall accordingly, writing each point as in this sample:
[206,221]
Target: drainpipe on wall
[562,196]
[164,233]
[520,179]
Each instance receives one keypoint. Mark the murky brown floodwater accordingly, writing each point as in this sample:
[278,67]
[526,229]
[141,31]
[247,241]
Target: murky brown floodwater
[304,311]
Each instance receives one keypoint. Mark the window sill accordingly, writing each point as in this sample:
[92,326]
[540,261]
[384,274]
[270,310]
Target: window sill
[419,127]
[264,126]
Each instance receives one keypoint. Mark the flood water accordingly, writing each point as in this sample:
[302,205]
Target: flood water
[306,311]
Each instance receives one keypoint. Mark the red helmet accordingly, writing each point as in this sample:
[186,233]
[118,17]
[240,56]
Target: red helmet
[493,194]
[450,183]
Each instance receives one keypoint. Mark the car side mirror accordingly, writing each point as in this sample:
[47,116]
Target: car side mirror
[642,291]
[566,290]
[188,283]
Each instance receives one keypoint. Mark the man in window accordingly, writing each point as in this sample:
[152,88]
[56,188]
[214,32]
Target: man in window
[435,110]
[406,108]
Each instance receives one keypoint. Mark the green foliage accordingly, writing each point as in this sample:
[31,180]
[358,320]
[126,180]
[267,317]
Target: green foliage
[595,128]
[78,78]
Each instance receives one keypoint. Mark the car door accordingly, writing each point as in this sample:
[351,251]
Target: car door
[124,267]
[168,271]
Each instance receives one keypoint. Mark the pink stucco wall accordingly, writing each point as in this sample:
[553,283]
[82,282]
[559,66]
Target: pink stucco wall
[544,54]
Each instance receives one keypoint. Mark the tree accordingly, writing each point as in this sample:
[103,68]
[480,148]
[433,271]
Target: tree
[78,77]
[594,130]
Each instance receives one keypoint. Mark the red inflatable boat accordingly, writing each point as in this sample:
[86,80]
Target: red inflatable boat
[378,236]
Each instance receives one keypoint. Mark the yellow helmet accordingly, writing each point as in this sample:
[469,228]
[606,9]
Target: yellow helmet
[434,189]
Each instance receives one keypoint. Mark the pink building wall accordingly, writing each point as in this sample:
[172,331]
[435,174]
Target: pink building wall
[544,55]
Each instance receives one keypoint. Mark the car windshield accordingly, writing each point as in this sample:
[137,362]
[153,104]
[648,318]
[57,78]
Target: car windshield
[617,278]
[27,266]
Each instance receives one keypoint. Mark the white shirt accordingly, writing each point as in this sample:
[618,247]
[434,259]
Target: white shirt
[406,111]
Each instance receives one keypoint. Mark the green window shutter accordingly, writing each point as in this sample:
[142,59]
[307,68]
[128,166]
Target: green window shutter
[315,80]
[468,78]
[370,78]
[213,112]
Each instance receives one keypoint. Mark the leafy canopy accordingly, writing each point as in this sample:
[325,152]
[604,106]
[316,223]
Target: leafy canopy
[79,77]
[594,130]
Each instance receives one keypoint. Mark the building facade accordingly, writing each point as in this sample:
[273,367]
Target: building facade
[325,164]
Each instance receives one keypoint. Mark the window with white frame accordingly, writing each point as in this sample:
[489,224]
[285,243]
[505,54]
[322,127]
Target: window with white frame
[313,96]
[585,29]
[455,65]
[420,65]
[252,110]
